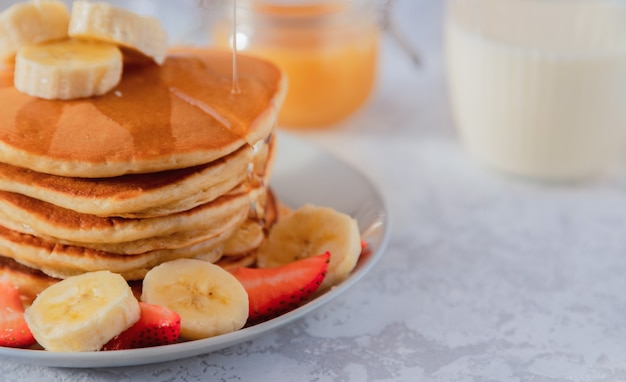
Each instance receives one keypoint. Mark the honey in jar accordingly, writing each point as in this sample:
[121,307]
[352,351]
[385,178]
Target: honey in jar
[329,50]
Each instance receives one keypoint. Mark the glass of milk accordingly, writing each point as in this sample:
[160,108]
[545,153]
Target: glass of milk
[538,87]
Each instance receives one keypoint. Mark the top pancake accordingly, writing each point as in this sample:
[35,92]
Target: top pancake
[181,114]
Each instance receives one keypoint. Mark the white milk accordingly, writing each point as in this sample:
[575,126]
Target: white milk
[538,87]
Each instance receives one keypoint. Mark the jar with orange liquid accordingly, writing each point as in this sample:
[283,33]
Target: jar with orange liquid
[329,50]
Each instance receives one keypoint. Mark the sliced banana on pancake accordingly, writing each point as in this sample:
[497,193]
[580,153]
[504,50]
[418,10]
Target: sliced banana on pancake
[67,69]
[310,231]
[82,313]
[104,22]
[209,300]
[31,22]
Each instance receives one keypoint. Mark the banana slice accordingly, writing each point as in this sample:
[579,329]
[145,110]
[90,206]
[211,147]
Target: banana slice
[309,231]
[31,22]
[82,313]
[67,69]
[104,22]
[209,300]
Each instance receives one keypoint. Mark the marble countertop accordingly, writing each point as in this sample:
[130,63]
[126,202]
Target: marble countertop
[485,277]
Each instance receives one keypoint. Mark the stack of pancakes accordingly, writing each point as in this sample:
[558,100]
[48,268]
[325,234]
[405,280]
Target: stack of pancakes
[173,163]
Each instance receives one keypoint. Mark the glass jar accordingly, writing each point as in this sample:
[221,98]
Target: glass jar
[329,50]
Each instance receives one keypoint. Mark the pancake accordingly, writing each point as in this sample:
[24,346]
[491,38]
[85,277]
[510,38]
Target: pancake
[246,238]
[61,261]
[134,195]
[174,240]
[256,176]
[32,216]
[239,250]
[181,114]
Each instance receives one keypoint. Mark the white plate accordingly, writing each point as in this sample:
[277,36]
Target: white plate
[302,174]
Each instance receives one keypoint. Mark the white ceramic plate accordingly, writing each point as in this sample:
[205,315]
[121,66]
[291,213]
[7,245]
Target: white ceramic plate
[302,174]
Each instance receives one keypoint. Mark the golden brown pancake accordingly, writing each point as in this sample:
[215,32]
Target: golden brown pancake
[181,114]
[174,240]
[239,250]
[133,195]
[61,261]
[32,216]
[246,238]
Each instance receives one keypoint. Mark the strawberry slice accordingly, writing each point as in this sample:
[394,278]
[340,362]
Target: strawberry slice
[157,325]
[14,331]
[273,291]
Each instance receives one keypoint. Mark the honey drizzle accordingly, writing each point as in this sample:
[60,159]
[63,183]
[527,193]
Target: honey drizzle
[252,177]
[235,85]
[201,105]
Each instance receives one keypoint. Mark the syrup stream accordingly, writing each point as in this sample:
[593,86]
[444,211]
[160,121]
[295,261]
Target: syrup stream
[252,176]
[235,86]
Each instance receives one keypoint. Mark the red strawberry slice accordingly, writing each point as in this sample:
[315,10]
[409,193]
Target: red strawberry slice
[273,291]
[157,325]
[14,331]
